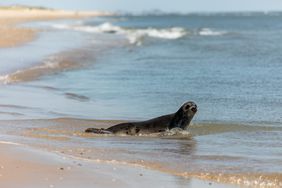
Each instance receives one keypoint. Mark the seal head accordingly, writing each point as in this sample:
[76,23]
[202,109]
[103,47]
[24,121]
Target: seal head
[183,116]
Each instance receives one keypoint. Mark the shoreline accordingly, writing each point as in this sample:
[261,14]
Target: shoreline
[65,136]
[14,35]
[41,168]
[54,148]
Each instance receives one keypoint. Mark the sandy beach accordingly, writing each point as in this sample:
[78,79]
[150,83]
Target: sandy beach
[26,167]
[10,18]
[23,166]
[48,157]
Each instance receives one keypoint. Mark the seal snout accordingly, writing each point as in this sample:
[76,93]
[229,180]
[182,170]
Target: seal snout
[194,109]
[190,106]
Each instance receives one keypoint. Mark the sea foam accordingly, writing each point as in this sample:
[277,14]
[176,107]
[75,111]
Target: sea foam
[135,36]
[210,32]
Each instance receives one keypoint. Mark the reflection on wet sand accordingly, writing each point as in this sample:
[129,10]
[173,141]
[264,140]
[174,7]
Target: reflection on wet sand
[193,156]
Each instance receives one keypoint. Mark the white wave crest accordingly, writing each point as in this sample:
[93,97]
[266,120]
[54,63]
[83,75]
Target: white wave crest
[103,28]
[135,36]
[210,32]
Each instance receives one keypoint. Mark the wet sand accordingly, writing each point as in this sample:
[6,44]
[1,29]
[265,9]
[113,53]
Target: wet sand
[56,155]
[66,136]
[38,168]
[10,18]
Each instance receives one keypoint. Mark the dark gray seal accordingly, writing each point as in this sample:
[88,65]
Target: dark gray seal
[181,119]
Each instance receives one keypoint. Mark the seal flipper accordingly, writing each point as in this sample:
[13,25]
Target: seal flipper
[98,131]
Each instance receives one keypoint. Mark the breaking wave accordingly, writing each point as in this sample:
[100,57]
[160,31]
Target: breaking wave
[134,36]
[210,32]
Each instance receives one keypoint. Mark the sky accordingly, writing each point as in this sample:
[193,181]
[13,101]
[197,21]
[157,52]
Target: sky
[183,6]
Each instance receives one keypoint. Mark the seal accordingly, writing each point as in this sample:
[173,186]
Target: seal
[181,119]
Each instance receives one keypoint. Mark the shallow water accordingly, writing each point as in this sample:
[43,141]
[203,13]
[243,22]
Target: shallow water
[138,67]
[244,155]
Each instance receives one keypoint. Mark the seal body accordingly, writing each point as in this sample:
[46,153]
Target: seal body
[180,119]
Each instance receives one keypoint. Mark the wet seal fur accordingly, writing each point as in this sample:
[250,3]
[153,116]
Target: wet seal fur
[181,119]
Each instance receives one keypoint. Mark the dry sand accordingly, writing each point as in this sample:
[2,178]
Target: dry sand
[13,35]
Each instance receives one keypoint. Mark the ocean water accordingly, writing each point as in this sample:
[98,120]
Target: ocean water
[138,67]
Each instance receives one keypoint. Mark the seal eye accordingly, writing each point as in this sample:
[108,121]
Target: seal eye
[187,107]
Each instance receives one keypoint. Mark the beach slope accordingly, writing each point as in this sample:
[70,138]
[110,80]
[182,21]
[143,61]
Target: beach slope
[10,17]
[22,166]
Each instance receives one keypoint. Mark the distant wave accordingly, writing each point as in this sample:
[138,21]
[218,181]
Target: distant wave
[135,36]
[211,32]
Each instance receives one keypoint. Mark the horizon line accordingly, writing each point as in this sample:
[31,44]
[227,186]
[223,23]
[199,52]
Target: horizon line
[153,11]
